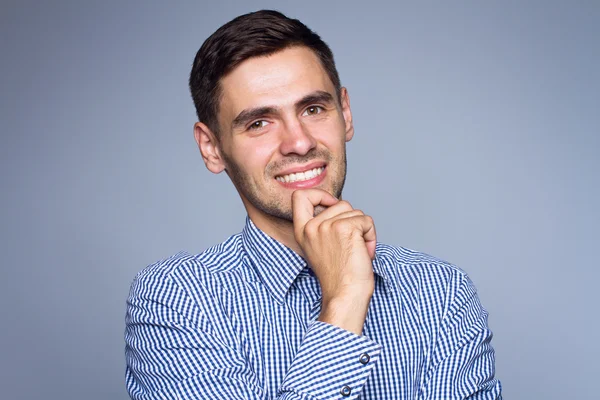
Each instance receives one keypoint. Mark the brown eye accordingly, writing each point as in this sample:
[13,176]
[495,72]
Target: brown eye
[313,110]
[257,124]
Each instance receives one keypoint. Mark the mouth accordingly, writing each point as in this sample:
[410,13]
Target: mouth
[301,176]
[303,179]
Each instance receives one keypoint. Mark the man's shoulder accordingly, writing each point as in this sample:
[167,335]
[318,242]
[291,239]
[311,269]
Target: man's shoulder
[426,284]
[406,266]
[211,265]
[406,257]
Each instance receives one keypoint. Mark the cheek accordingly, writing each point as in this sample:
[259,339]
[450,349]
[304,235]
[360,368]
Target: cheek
[330,132]
[334,144]
[255,156]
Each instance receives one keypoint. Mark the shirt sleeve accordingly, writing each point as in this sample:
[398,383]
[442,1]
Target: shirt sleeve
[170,351]
[463,365]
[332,363]
[172,354]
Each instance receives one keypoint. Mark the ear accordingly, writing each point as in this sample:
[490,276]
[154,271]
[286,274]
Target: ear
[208,144]
[347,113]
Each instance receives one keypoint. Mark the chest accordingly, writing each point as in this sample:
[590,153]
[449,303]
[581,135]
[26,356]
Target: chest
[272,332]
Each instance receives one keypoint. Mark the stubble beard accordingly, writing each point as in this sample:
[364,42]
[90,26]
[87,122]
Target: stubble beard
[276,206]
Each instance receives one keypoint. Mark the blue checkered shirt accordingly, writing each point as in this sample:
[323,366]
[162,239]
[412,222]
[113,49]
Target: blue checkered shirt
[238,321]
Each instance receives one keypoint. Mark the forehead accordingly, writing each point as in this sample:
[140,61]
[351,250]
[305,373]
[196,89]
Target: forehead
[278,80]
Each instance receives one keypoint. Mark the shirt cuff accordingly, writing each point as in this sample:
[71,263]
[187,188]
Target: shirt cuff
[331,363]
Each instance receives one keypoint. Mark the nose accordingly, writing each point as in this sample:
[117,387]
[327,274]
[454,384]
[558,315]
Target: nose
[296,139]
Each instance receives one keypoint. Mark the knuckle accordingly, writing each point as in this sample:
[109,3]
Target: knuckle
[323,227]
[311,228]
[339,226]
[345,205]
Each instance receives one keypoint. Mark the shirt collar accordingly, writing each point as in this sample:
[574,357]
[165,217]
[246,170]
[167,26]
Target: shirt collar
[277,265]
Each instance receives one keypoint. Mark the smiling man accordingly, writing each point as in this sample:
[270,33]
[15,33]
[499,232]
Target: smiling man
[304,303]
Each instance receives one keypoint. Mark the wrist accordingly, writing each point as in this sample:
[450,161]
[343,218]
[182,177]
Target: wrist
[347,312]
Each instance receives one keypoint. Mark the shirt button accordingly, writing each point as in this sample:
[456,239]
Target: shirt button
[364,358]
[346,391]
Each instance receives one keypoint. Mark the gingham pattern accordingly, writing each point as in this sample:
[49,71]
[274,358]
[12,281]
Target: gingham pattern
[239,322]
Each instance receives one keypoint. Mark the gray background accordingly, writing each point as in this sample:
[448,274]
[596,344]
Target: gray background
[477,132]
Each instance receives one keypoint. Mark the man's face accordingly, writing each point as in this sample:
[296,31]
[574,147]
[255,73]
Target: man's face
[282,129]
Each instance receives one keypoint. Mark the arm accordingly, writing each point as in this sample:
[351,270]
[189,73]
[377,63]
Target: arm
[173,352]
[463,359]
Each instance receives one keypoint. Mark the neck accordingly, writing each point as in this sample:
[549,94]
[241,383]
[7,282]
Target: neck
[279,229]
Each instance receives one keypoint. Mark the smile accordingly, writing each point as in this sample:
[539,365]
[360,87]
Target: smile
[301,176]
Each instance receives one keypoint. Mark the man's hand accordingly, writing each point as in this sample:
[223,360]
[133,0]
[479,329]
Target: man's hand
[339,244]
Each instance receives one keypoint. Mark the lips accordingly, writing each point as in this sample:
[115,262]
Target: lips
[301,175]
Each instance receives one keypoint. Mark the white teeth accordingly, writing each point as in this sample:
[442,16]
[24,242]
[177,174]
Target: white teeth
[301,176]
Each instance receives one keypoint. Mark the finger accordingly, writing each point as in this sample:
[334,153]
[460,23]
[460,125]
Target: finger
[357,221]
[371,242]
[344,215]
[364,224]
[339,208]
[304,202]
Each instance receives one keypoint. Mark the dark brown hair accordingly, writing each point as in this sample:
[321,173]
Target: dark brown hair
[260,33]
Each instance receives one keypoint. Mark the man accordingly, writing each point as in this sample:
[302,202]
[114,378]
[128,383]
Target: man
[304,303]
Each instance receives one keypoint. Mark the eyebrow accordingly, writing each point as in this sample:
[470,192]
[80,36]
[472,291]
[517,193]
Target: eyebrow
[317,97]
[250,114]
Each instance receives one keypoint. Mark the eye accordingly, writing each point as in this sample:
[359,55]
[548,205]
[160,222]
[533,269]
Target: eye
[258,124]
[313,110]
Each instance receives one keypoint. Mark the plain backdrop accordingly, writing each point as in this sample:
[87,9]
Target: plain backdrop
[477,140]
